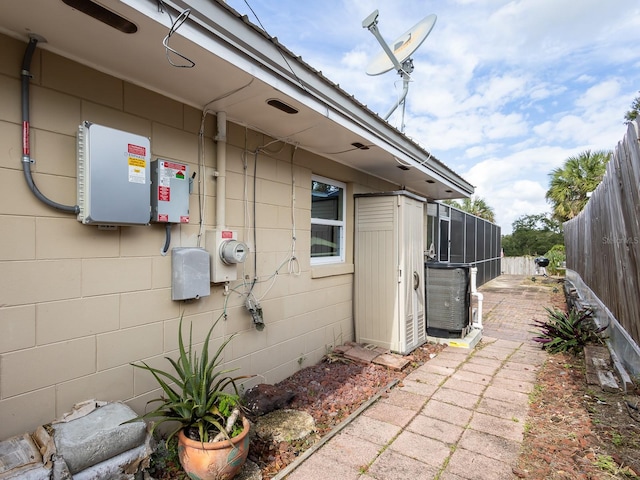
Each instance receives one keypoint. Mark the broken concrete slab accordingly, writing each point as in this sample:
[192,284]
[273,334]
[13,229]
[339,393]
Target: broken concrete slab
[392,361]
[607,381]
[361,354]
[91,442]
[98,436]
[599,369]
[20,458]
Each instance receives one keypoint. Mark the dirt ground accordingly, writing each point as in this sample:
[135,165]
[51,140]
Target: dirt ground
[578,431]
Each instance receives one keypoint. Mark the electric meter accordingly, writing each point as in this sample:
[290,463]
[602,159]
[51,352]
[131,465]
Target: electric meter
[233,251]
[226,252]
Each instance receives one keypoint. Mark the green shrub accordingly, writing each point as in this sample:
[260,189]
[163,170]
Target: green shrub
[567,332]
[556,258]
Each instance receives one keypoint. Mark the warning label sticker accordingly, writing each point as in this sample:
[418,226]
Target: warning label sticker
[169,170]
[184,219]
[164,194]
[136,150]
[137,169]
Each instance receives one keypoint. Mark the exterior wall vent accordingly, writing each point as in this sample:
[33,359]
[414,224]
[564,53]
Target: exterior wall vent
[103,15]
[280,105]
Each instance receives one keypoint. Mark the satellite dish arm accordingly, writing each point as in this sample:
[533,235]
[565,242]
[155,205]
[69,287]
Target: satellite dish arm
[371,23]
[403,95]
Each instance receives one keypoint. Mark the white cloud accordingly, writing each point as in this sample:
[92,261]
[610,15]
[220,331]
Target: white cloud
[503,91]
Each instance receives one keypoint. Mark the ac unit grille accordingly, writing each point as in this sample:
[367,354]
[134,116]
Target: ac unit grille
[447,299]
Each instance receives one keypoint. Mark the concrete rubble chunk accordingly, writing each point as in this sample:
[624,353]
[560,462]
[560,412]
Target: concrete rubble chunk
[91,442]
[392,361]
[599,369]
[607,381]
[98,436]
[20,458]
[361,354]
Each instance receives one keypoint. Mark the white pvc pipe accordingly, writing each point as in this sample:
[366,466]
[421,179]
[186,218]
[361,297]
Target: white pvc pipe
[221,169]
[474,292]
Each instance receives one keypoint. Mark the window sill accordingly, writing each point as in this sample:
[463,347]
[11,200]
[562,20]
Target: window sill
[320,271]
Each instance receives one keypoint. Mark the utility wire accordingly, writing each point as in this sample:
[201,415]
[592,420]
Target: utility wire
[279,49]
[175,25]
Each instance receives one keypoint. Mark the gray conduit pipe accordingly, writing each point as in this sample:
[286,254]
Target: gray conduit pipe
[26,144]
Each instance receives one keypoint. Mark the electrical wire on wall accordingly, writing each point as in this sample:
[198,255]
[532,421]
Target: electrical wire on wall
[291,261]
[201,157]
[175,25]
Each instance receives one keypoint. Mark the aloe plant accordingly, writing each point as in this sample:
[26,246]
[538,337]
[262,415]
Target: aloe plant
[567,332]
[196,394]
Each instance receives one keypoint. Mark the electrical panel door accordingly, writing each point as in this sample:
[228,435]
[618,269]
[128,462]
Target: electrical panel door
[113,176]
[169,191]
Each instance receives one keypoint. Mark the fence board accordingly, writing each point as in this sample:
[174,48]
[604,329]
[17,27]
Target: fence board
[518,265]
[603,241]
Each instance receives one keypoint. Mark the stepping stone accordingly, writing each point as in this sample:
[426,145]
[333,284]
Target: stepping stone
[285,425]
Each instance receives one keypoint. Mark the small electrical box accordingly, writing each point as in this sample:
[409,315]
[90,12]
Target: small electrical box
[190,277]
[113,176]
[226,252]
[170,184]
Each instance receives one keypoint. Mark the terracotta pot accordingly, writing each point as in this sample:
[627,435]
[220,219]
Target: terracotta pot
[214,461]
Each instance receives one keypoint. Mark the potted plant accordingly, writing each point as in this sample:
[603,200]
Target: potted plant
[203,399]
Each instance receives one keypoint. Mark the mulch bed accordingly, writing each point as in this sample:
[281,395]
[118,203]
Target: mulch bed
[329,392]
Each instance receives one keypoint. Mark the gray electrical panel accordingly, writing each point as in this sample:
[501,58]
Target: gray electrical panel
[170,184]
[190,273]
[113,176]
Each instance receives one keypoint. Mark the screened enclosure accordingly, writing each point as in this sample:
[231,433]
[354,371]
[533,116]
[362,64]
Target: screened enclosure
[457,237]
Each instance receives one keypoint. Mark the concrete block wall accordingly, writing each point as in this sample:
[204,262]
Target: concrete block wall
[78,304]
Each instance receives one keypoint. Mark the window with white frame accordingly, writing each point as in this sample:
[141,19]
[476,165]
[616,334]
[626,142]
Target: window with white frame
[327,220]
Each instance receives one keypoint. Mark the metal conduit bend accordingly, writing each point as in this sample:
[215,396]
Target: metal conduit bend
[26,145]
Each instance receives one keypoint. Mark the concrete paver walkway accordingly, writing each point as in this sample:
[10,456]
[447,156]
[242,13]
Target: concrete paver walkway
[459,416]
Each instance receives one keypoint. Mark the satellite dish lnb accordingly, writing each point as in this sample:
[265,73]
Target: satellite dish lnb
[399,55]
[403,47]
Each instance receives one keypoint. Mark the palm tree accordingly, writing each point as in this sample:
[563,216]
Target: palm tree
[475,206]
[632,114]
[571,184]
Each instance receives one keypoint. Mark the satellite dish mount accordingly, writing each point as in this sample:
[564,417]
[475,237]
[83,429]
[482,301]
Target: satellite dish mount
[400,56]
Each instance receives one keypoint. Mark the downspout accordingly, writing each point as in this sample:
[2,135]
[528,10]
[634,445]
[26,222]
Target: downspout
[26,143]
[221,170]
[477,324]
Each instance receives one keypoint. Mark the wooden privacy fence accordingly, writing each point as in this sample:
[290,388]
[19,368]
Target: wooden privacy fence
[518,265]
[603,241]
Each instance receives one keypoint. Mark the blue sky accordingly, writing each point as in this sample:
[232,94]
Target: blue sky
[502,92]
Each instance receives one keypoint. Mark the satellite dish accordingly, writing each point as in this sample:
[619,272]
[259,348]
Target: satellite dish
[404,46]
[398,57]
